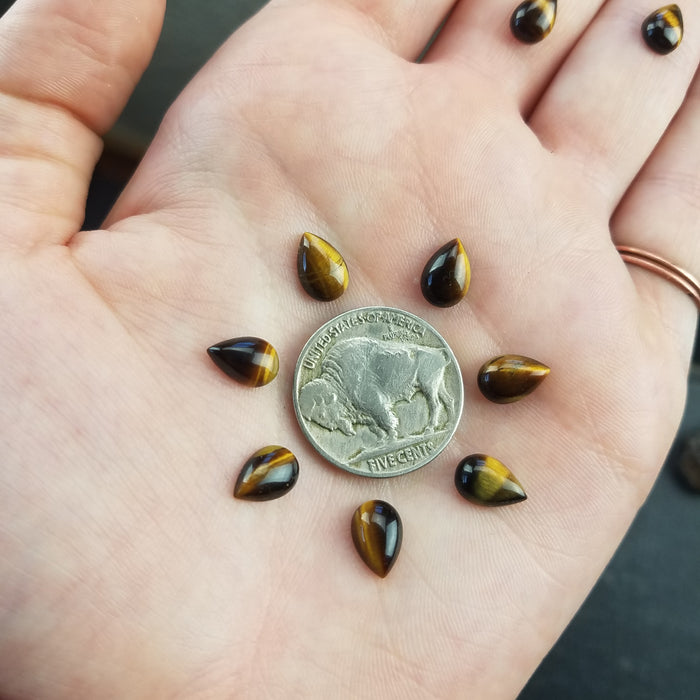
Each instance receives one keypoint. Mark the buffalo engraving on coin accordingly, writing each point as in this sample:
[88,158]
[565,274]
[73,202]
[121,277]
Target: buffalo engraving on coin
[378,392]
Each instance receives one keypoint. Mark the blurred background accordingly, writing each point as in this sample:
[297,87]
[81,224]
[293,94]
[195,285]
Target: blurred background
[637,636]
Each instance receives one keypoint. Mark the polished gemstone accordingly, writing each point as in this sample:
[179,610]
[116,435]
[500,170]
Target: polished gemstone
[268,474]
[446,276]
[250,361]
[484,480]
[377,532]
[532,21]
[509,378]
[663,30]
[321,268]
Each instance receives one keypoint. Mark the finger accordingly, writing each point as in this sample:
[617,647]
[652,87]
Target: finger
[613,98]
[478,34]
[404,26]
[67,68]
[661,214]
[80,56]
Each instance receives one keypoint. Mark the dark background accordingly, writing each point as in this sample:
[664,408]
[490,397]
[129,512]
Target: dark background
[637,636]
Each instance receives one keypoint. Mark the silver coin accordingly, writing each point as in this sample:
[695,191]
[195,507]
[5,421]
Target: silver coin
[378,392]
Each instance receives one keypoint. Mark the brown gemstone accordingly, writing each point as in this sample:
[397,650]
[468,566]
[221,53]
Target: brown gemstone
[446,276]
[509,378]
[321,268]
[268,474]
[663,30]
[377,532]
[250,361]
[532,21]
[486,481]
[689,466]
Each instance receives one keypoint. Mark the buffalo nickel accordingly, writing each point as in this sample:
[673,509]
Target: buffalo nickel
[378,392]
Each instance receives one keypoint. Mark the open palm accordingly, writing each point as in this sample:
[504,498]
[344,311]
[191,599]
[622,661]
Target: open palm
[128,569]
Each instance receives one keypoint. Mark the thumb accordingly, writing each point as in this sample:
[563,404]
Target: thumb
[67,67]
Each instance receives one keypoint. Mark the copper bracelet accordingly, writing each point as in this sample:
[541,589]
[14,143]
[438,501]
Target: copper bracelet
[670,272]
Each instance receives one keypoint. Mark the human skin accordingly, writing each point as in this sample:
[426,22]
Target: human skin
[128,570]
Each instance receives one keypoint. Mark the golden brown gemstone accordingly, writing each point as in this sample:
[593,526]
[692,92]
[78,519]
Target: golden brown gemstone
[532,21]
[663,30]
[250,361]
[484,480]
[321,268]
[509,378]
[268,474]
[446,276]
[377,532]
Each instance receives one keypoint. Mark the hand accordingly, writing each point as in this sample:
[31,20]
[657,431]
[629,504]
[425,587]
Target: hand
[127,568]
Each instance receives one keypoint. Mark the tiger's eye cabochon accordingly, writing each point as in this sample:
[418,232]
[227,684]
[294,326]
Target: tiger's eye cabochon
[533,21]
[486,481]
[509,378]
[321,268]
[250,361]
[377,533]
[269,473]
[446,275]
[662,30]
